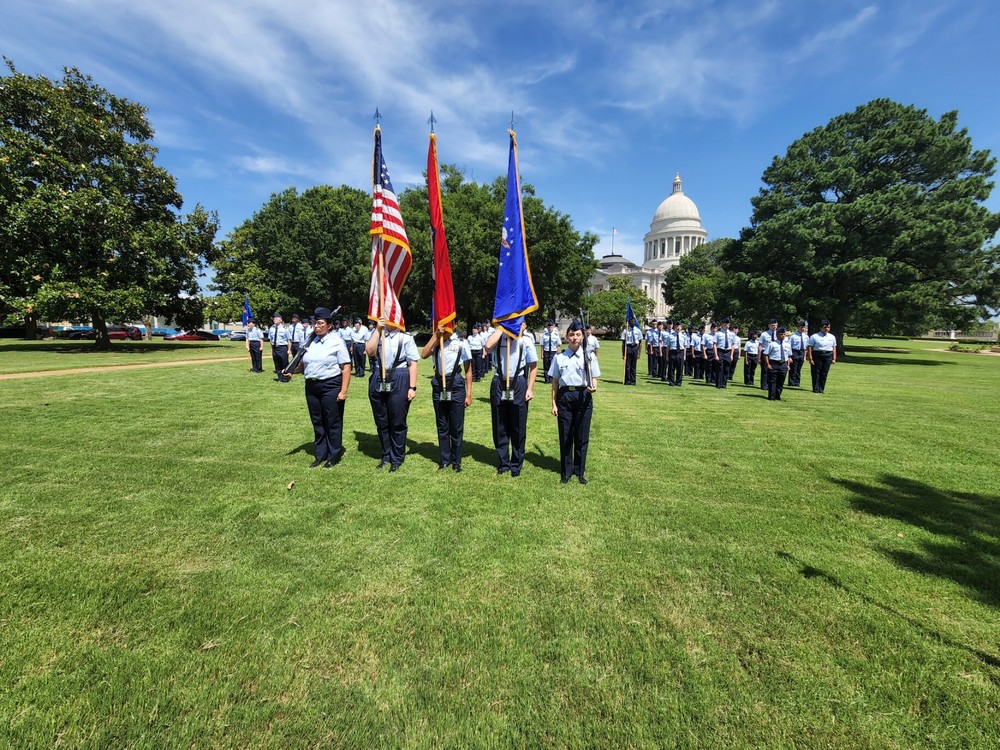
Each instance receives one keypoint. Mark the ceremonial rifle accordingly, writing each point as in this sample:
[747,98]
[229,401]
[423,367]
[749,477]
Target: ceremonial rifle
[586,354]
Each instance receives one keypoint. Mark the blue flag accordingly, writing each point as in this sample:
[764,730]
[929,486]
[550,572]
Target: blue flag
[515,295]
[629,315]
[247,314]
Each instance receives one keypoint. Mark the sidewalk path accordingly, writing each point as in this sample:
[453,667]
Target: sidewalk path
[45,373]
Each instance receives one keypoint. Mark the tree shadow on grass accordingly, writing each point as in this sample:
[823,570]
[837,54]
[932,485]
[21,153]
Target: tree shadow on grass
[900,360]
[810,572]
[968,524]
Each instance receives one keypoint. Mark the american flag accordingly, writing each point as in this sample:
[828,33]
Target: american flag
[391,257]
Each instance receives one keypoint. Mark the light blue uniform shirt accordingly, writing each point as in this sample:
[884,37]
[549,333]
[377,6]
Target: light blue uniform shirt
[476,342]
[678,341]
[255,334]
[359,335]
[568,367]
[708,344]
[297,333]
[593,344]
[632,335]
[278,336]
[651,336]
[516,348]
[799,341]
[766,337]
[696,341]
[325,357]
[778,351]
[399,347]
[823,342]
[455,350]
[751,347]
[725,339]
[551,341]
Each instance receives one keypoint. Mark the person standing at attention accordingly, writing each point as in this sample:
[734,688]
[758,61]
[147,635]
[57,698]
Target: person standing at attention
[390,397]
[280,347]
[451,392]
[255,346]
[574,373]
[822,352]
[326,366]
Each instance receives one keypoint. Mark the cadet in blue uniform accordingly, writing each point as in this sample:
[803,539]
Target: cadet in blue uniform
[590,341]
[689,353]
[777,356]
[631,337]
[697,344]
[476,342]
[651,351]
[799,343]
[451,394]
[255,346]
[766,337]
[751,351]
[278,338]
[678,349]
[724,342]
[391,403]
[737,345]
[359,337]
[550,345]
[573,403]
[296,335]
[822,353]
[711,354]
[326,366]
[509,396]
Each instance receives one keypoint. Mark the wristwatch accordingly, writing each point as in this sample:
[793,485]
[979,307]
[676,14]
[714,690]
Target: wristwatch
[413,388]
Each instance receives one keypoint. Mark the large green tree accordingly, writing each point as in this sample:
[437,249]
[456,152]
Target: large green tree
[89,224]
[606,308]
[875,221]
[562,259]
[694,287]
[299,251]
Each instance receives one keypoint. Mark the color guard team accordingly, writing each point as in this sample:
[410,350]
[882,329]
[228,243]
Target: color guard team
[331,351]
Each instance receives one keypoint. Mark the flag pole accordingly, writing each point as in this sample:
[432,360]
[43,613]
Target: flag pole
[381,304]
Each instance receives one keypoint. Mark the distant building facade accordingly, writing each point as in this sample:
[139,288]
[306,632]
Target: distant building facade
[674,232]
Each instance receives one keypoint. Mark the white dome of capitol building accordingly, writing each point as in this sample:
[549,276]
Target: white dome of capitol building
[674,232]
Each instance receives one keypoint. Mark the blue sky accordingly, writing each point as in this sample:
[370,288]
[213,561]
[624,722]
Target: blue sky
[610,99]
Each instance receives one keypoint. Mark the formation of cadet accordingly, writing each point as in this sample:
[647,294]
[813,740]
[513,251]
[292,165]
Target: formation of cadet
[714,355]
[333,350]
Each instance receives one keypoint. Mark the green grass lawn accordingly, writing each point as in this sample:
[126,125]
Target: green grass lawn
[823,572]
[31,356]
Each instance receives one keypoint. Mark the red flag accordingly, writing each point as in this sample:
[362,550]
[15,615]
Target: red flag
[391,257]
[444,291]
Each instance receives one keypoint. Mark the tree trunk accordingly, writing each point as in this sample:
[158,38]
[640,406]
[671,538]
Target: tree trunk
[148,322]
[101,341]
[30,326]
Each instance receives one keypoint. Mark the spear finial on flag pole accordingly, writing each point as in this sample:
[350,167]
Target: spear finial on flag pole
[512,120]
[431,120]
[377,117]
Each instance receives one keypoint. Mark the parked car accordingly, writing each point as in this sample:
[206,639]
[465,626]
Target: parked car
[114,332]
[17,332]
[237,335]
[192,336]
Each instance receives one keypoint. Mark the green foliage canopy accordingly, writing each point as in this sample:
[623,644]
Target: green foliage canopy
[875,221]
[89,228]
[694,287]
[606,308]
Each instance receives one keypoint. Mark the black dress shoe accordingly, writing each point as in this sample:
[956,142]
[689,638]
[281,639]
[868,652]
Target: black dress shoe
[564,480]
[583,480]
[329,464]
[442,467]
[456,467]
[502,471]
[515,473]
[381,465]
[394,467]
[316,463]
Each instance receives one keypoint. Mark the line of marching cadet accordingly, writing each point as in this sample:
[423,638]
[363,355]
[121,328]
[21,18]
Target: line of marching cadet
[713,352]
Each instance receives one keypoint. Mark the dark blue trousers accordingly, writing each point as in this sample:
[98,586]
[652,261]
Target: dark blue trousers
[722,369]
[279,355]
[776,379]
[575,411]
[819,369]
[327,416]
[450,419]
[510,420]
[390,411]
[256,357]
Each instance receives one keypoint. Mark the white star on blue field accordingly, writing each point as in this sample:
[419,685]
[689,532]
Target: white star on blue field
[610,100]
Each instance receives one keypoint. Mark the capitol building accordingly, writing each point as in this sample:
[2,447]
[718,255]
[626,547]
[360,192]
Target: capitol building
[675,231]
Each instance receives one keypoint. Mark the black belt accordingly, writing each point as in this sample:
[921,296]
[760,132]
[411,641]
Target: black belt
[572,388]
